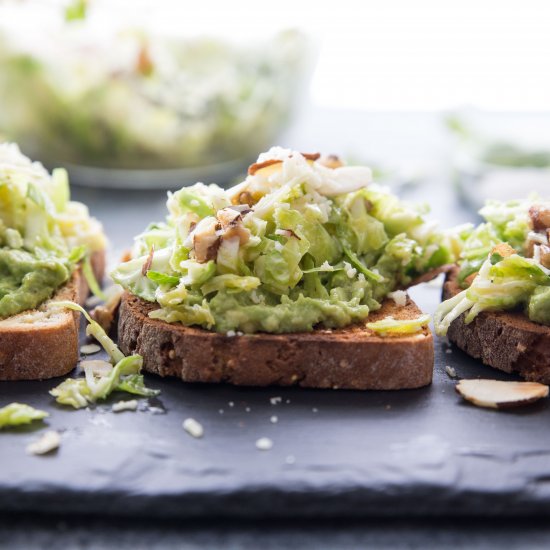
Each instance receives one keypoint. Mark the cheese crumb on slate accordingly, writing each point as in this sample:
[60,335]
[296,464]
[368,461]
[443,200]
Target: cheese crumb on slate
[130,405]
[290,459]
[231,404]
[315,410]
[274,419]
[49,442]
[264,444]
[450,371]
[193,428]
[89,349]
[399,297]
[275,400]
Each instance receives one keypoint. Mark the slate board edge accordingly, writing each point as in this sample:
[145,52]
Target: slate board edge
[268,501]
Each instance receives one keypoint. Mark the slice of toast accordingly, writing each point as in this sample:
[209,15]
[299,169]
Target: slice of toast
[43,343]
[350,358]
[505,340]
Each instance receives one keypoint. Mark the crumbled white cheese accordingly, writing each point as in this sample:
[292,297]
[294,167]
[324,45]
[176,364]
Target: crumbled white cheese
[450,371]
[89,349]
[540,238]
[449,350]
[247,409]
[231,404]
[230,333]
[315,410]
[290,459]
[275,400]
[326,265]
[120,406]
[274,419]
[49,441]
[399,297]
[221,411]
[194,202]
[193,428]
[351,272]
[264,444]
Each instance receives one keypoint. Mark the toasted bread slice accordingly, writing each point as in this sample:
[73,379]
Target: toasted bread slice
[43,343]
[349,358]
[505,340]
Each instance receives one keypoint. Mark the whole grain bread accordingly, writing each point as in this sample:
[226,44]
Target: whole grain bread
[505,340]
[43,343]
[350,358]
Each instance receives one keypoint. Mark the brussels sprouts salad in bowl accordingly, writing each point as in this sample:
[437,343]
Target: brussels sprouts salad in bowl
[108,103]
[302,242]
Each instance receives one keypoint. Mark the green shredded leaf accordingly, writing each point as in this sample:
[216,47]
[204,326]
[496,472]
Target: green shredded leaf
[161,278]
[124,376]
[88,273]
[76,10]
[16,414]
[358,264]
[398,327]
[95,330]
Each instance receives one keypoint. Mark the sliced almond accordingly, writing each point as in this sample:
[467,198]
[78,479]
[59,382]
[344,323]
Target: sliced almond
[504,250]
[253,168]
[497,394]
[311,156]
[331,161]
[97,366]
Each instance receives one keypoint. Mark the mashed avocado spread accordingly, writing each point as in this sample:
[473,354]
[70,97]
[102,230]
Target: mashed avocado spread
[504,264]
[43,235]
[302,242]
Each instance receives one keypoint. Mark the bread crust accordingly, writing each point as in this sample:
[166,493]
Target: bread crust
[349,358]
[505,340]
[36,351]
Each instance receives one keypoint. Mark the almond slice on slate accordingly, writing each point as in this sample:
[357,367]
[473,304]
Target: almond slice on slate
[498,394]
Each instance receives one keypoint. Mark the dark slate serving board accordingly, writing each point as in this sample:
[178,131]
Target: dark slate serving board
[335,452]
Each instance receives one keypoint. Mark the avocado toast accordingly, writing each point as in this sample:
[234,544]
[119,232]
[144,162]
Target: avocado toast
[497,299]
[50,248]
[293,276]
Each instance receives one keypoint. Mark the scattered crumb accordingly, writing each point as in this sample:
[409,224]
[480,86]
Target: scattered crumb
[89,349]
[399,297]
[449,350]
[344,363]
[49,442]
[388,407]
[287,401]
[275,400]
[221,411]
[193,428]
[230,333]
[239,333]
[274,419]
[231,404]
[294,377]
[264,444]
[450,371]
[315,409]
[130,405]
[247,409]
[521,347]
[171,354]
[290,459]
